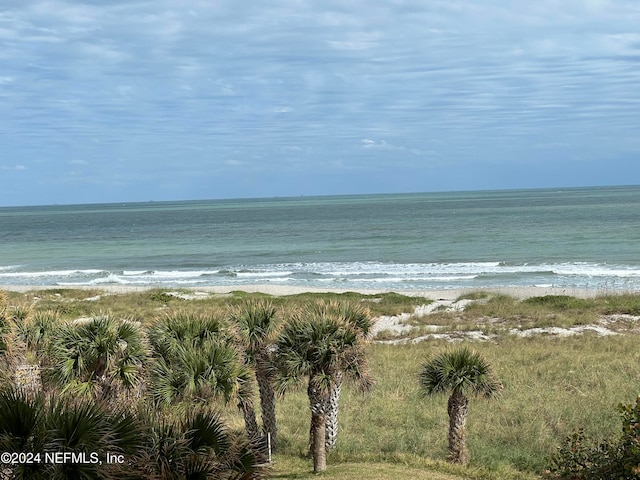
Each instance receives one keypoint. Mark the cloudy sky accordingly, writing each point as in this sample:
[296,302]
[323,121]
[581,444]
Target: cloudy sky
[127,100]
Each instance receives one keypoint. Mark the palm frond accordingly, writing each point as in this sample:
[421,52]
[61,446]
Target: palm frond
[462,370]
[319,343]
[206,431]
[20,420]
[257,323]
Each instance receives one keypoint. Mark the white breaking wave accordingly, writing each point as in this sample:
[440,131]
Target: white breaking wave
[348,275]
[8,267]
[595,270]
[51,273]
[263,274]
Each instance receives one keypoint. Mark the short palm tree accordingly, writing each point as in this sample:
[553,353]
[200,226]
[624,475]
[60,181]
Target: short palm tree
[460,372]
[319,346]
[258,326]
[100,357]
[197,357]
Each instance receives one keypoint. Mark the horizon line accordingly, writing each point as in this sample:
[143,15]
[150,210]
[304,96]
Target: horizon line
[317,196]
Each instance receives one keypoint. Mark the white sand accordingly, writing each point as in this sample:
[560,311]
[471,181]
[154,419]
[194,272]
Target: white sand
[279,290]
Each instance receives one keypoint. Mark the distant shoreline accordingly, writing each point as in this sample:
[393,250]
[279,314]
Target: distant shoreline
[283,290]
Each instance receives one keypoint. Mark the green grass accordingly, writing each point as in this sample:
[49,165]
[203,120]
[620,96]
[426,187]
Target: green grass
[399,467]
[552,387]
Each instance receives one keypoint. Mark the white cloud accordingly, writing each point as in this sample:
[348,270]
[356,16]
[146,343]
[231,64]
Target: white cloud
[14,167]
[290,149]
[234,163]
[369,144]
[99,52]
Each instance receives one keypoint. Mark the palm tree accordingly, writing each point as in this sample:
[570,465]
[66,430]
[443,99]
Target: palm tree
[98,357]
[460,372]
[358,317]
[319,346]
[258,327]
[198,357]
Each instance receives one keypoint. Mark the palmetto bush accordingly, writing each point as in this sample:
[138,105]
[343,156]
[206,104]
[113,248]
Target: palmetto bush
[36,332]
[197,446]
[29,424]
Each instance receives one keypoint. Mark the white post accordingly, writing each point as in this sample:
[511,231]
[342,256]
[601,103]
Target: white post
[269,445]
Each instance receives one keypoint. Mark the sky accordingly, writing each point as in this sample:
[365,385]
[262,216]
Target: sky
[137,100]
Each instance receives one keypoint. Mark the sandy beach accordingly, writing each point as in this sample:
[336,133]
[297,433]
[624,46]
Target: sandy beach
[280,290]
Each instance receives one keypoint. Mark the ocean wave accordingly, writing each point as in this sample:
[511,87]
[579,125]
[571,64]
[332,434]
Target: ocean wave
[595,270]
[348,275]
[263,274]
[4,268]
[52,273]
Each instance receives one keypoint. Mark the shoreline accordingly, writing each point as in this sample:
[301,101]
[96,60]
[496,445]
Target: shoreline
[282,290]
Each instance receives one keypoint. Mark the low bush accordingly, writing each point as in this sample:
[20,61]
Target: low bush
[583,457]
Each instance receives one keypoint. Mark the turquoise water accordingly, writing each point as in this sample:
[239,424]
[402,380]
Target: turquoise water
[578,238]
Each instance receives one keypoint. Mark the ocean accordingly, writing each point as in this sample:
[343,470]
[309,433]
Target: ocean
[582,238]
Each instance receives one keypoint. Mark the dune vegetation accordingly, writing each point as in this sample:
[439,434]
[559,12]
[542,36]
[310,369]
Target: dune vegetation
[161,374]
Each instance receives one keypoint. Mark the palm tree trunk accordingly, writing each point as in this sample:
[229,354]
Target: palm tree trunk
[331,432]
[458,408]
[318,449]
[249,413]
[318,404]
[267,403]
[325,408]
[28,378]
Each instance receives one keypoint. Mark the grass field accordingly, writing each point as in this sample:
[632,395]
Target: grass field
[552,386]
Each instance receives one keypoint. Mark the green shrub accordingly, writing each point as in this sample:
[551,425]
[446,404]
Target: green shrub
[161,296]
[582,457]
[626,303]
[558,302]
